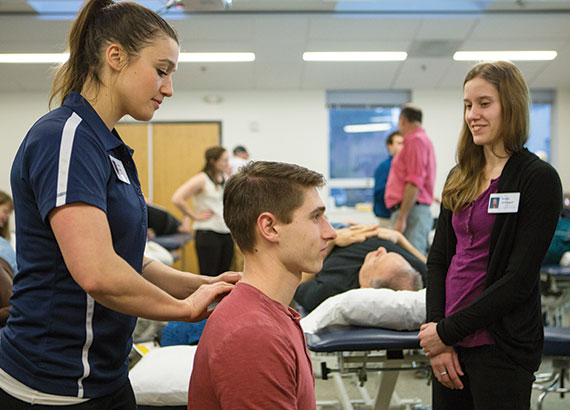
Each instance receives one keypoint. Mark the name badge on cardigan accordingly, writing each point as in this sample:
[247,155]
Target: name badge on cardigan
[504,203]
[120,170]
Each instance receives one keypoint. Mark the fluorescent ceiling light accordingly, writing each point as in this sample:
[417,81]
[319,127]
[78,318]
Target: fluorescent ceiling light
[505,55]
[355,56]
[34,58]
[54,6]
[374,127]
[215,57]
[73,6]
[31,58]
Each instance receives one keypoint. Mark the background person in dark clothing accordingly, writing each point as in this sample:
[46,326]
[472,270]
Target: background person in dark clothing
[341,268]
[394,144]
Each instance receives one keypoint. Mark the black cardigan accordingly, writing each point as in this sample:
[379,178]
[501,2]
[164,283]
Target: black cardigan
[509,307]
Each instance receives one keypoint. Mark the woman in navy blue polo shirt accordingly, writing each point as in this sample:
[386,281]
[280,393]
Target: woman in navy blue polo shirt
[81,223]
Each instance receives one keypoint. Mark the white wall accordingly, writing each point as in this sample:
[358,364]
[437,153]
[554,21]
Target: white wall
[282,126]
[18,112]
[442,120]
[287,126]
[560,148]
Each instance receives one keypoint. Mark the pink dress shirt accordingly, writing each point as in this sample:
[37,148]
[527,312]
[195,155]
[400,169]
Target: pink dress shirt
[415,163]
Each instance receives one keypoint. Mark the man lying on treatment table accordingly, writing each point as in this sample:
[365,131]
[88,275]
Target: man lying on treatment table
[363,256]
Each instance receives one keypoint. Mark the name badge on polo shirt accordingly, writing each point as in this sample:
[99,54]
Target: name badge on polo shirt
[120,170]
[504,203]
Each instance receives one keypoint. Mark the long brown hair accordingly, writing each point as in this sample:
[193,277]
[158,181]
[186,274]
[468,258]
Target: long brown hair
[464,182]
[98,24]
[6,199]
[212,155]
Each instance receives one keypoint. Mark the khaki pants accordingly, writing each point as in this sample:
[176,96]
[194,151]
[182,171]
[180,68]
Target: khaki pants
[385,223]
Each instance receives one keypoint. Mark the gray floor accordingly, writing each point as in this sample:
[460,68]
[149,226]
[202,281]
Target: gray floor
[411,388]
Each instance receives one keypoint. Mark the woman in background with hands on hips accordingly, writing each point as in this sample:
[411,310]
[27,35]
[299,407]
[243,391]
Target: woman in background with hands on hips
[214,244]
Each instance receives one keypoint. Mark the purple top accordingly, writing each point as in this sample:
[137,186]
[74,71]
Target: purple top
[465,279]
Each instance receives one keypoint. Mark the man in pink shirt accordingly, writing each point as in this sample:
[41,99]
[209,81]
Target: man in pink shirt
[409,190]
[252,353]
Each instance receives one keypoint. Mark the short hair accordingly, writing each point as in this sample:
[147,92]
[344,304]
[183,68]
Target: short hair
[390,139]
[403,278]
[239,149]
[412,113]
[263,186]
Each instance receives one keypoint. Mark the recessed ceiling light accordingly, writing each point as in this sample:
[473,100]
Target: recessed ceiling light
[215,57]
[505,55]
[355,56]
[33,58]
[39,58]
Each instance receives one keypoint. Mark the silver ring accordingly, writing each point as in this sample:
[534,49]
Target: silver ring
[443,373]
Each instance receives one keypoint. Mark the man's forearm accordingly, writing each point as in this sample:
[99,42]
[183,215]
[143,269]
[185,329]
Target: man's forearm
[404,243]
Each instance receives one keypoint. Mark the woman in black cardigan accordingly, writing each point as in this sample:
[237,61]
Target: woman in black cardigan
[484,330]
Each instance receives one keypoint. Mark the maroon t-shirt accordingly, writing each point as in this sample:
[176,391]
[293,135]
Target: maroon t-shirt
[252,355]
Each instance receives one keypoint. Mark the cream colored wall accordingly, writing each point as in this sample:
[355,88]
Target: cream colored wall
[560,145]
[442,119]
[18,112]
[287,126]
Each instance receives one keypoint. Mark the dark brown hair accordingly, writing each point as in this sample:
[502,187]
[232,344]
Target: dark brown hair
[411,113]
[262,186]
[212,154]
[98,24]
[390,139]
[6,199]
[464,182]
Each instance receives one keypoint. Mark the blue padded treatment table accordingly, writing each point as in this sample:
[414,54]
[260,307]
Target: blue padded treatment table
[174,241]
[354,338]
[556,270]
[365,349]
[339,339]
[556,341]
[557,349]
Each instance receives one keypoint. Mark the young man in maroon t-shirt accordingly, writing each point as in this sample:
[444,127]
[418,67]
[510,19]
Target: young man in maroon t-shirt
[252,354]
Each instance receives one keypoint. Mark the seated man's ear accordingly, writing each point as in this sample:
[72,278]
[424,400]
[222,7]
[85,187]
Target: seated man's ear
[266,225]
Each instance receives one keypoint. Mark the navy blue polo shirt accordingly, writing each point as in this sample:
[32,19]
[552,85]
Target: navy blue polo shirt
[58,340]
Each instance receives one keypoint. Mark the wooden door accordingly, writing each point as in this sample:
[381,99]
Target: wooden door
[178,155]
[175,154]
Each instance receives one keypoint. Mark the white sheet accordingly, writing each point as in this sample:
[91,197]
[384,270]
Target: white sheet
[162,376]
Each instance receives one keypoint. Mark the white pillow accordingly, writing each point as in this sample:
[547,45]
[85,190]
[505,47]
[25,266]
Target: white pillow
[159,253]
[385,308]
[162,376]
[565,260]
